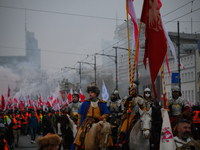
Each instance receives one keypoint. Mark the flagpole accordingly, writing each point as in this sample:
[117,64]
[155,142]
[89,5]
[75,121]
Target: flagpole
[164,96]
[136,51]
[129,53]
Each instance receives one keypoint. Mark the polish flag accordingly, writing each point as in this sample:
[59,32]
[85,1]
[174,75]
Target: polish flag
[2,102]
[40,103]
[183,67]
[21,102]
[132,13]
[139,75]
[81,96]
[48,103]
[29,101]
[8,91]
[189,102]
[70,95]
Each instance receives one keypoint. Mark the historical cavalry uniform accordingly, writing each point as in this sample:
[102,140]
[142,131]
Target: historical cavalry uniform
[189,144]
[115,107]
[73,107]
[136,103]
[88,113]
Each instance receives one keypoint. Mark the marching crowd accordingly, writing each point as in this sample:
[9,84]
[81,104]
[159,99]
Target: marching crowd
[92,110]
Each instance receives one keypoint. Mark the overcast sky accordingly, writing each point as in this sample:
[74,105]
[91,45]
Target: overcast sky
[69,30]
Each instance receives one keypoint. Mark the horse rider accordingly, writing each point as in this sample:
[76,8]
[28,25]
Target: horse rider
[131,107]
[74,106]
[183,141]
[177,105]
[149,101]
[92,111]
[115,105]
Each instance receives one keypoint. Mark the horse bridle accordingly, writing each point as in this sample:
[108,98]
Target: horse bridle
[143,130]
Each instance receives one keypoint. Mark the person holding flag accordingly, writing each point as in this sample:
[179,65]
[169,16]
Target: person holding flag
[74,106]
[131,108]
[177,105]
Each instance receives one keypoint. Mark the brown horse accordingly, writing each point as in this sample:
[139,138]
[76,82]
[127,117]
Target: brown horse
[66,129]
[185,115]
[98,136]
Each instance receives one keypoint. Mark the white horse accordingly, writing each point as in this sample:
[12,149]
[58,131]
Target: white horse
[140,133]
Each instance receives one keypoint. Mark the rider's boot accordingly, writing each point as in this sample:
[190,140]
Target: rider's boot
[121,141]
[77,147]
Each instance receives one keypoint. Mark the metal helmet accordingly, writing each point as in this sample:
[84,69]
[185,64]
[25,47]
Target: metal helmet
[75,94]
[147,90]
[93,88]
[175,88]
[115,92]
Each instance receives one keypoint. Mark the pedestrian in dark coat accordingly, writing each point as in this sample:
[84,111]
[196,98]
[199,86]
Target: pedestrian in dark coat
[33,122]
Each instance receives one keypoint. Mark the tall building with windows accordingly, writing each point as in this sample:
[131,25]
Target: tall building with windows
[32,53]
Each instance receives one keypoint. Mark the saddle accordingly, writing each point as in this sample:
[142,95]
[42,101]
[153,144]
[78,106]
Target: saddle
[86,125]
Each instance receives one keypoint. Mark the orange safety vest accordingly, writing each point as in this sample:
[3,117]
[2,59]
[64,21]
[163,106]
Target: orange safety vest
[15,123]
[196,118]
[25,118]
[6,145]
[38,117]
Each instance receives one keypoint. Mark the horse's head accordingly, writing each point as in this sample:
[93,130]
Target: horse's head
[104,131]
[145,121]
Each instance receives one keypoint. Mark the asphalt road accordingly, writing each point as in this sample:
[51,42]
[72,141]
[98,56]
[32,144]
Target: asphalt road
[25,143]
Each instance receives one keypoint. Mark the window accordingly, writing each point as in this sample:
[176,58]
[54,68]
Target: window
[192,93]
[183,94]
[165,80]
[184,61]
[189,95]
[185,77]
[169,80]
[182,76]
[170,65]
[191,60]
[192,75]
[188,76]
[186,94]
[188,61]
[173,64]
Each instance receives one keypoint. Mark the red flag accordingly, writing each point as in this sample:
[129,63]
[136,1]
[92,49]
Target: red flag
[48,103]
[70,95]
[81,96]
[8,91]
[155,43]
[2,102]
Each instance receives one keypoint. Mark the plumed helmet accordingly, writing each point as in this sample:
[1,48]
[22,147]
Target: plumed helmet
[75,94]
[147,90]
[175,88]
[93,88]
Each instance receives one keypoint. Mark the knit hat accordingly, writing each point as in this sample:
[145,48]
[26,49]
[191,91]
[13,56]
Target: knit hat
[49,139]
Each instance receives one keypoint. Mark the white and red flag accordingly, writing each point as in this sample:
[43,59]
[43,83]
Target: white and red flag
[21,102]
[8,91]
[132,13]
[29,102]
[3,103]
[155,40]
[189,102]
[139,75]
[40,103]
[182,66]
[81,96]
[69,97]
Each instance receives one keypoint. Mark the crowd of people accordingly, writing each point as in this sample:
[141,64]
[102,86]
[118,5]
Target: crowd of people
[92,110]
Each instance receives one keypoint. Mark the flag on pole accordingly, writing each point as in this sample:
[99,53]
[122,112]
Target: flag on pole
[189,102]
[166,139]
[105,94]
[69,97]
[155,42]
[132,13]
[8,91]
[139,75]
[183,67]
[81,96]
[2,102]
[194,102]
[21,102]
